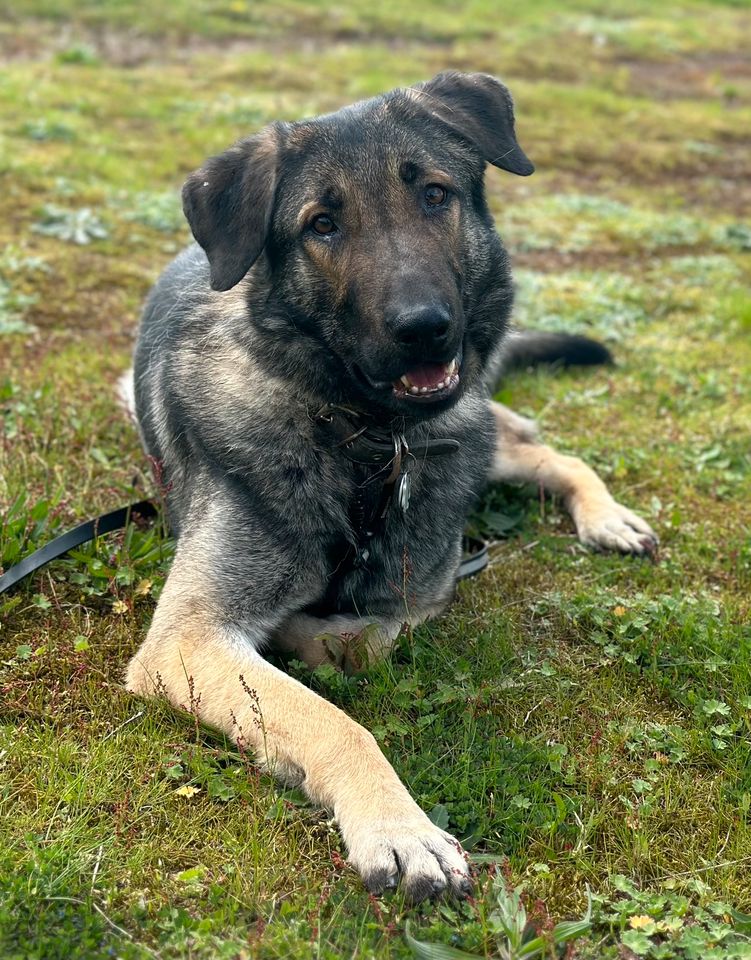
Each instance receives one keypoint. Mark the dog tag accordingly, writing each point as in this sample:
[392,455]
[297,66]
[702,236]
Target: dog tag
[402,491]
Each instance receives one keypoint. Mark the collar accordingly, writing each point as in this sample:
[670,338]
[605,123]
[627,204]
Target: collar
[386,459]
[365,442]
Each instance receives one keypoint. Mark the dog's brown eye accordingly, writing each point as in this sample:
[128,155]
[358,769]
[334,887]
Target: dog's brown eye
[323,224]
[435,195]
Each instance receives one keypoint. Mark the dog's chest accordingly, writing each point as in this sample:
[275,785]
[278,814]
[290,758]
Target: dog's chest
[407,521]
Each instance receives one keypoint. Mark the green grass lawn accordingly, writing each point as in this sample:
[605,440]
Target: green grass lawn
[581,721]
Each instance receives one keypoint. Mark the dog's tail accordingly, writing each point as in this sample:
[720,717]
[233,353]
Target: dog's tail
[531,348]
[528,348]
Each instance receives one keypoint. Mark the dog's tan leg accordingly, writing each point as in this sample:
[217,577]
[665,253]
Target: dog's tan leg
[211,667]
[601,521]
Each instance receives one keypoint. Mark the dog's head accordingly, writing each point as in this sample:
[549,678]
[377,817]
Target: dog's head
[374,236]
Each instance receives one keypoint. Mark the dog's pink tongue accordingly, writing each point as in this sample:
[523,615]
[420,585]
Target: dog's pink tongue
[428,375]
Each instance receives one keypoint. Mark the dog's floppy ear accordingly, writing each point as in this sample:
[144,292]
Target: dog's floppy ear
[228,204]
[480,109]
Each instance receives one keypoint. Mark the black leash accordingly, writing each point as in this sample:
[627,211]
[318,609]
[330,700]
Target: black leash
[474,560]
[115,520]
[383,455]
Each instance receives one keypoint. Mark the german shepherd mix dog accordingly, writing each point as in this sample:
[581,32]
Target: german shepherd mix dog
[313,379]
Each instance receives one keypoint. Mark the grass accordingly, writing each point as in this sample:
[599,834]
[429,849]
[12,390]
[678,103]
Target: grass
[583,722]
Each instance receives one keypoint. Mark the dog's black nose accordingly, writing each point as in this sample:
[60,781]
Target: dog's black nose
[426,326]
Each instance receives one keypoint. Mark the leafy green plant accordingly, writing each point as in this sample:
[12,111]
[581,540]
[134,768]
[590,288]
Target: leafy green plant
[677,922]
[24,526]
[160,211]
[500,513]
[12,307]
[72,226]
[514,937]
[81,54]
[43,129]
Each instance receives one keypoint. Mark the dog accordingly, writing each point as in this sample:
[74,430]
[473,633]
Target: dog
[313,379]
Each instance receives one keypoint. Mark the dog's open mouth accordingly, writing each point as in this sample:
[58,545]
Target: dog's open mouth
[430,381]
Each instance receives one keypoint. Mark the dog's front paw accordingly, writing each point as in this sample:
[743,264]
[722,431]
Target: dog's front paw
[411,851]
[607,525]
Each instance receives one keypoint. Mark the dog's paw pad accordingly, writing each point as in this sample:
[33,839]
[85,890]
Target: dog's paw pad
[611,526]
[424,860]
[378,880]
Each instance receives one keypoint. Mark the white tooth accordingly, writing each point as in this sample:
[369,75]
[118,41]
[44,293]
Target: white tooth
[405,381]
[414,389]
[453,367]
[423,389]
[441,385]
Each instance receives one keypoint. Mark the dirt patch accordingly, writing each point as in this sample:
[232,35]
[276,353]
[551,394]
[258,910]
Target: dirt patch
[42,40]
[561,261]
[718,181]
[120,48]
[726,194]
[724,74]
